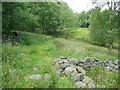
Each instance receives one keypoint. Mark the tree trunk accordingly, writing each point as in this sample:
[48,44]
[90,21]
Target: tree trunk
[43,31]
[110,47]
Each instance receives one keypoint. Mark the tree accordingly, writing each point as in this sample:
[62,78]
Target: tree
[104,23]
[17,16]
[84,19]
[48,16]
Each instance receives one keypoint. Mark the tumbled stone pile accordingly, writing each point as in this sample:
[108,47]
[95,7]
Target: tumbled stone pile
[76,69]
[69,67]
[13,38]
[89,63]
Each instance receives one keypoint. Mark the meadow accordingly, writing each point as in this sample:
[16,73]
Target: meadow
[39,51]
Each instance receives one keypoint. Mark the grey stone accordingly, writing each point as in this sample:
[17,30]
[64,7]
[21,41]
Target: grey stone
[91,85]
[78,77]
[94,58]
[63,66]
[96,63]
[103,63]
[65,61]
[109,68]
[35,76]
[100,63]
[81,64]
[58,59]
[35,69]
[89,67]
[60,62]
[116,62]
[73,74]
[62,57]
[59,72]
[112,65]
[87,79]
[88,59]
[80,70]
[81,60]
[46,76]
[110,62]
[70,57]
[80,85]
[75,62]
[116,67]
[69,70]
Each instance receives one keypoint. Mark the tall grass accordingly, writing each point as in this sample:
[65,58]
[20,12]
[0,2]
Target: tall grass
[39,51]
[81,49]
[103,78]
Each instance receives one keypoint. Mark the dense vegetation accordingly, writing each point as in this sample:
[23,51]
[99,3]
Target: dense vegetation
[49,30]
[47,16]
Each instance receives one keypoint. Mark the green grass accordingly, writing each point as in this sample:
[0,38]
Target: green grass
[34,57]
[81,49]
[39,51]
[81,34]
[103,78]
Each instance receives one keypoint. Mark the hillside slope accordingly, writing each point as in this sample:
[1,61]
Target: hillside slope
[39,51]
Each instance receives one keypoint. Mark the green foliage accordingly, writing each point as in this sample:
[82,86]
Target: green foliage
[48,16]
[101,30]
[84,19]
[16,16]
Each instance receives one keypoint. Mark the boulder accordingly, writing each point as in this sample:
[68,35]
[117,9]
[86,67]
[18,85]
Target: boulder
[35,76]
[63,66]
[69,70]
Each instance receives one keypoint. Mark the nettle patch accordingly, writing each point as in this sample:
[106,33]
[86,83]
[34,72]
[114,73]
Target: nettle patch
[76,69]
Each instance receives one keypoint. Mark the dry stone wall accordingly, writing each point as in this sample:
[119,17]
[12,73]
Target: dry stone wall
[76,69]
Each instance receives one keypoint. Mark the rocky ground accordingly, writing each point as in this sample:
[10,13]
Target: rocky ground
[77,69]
